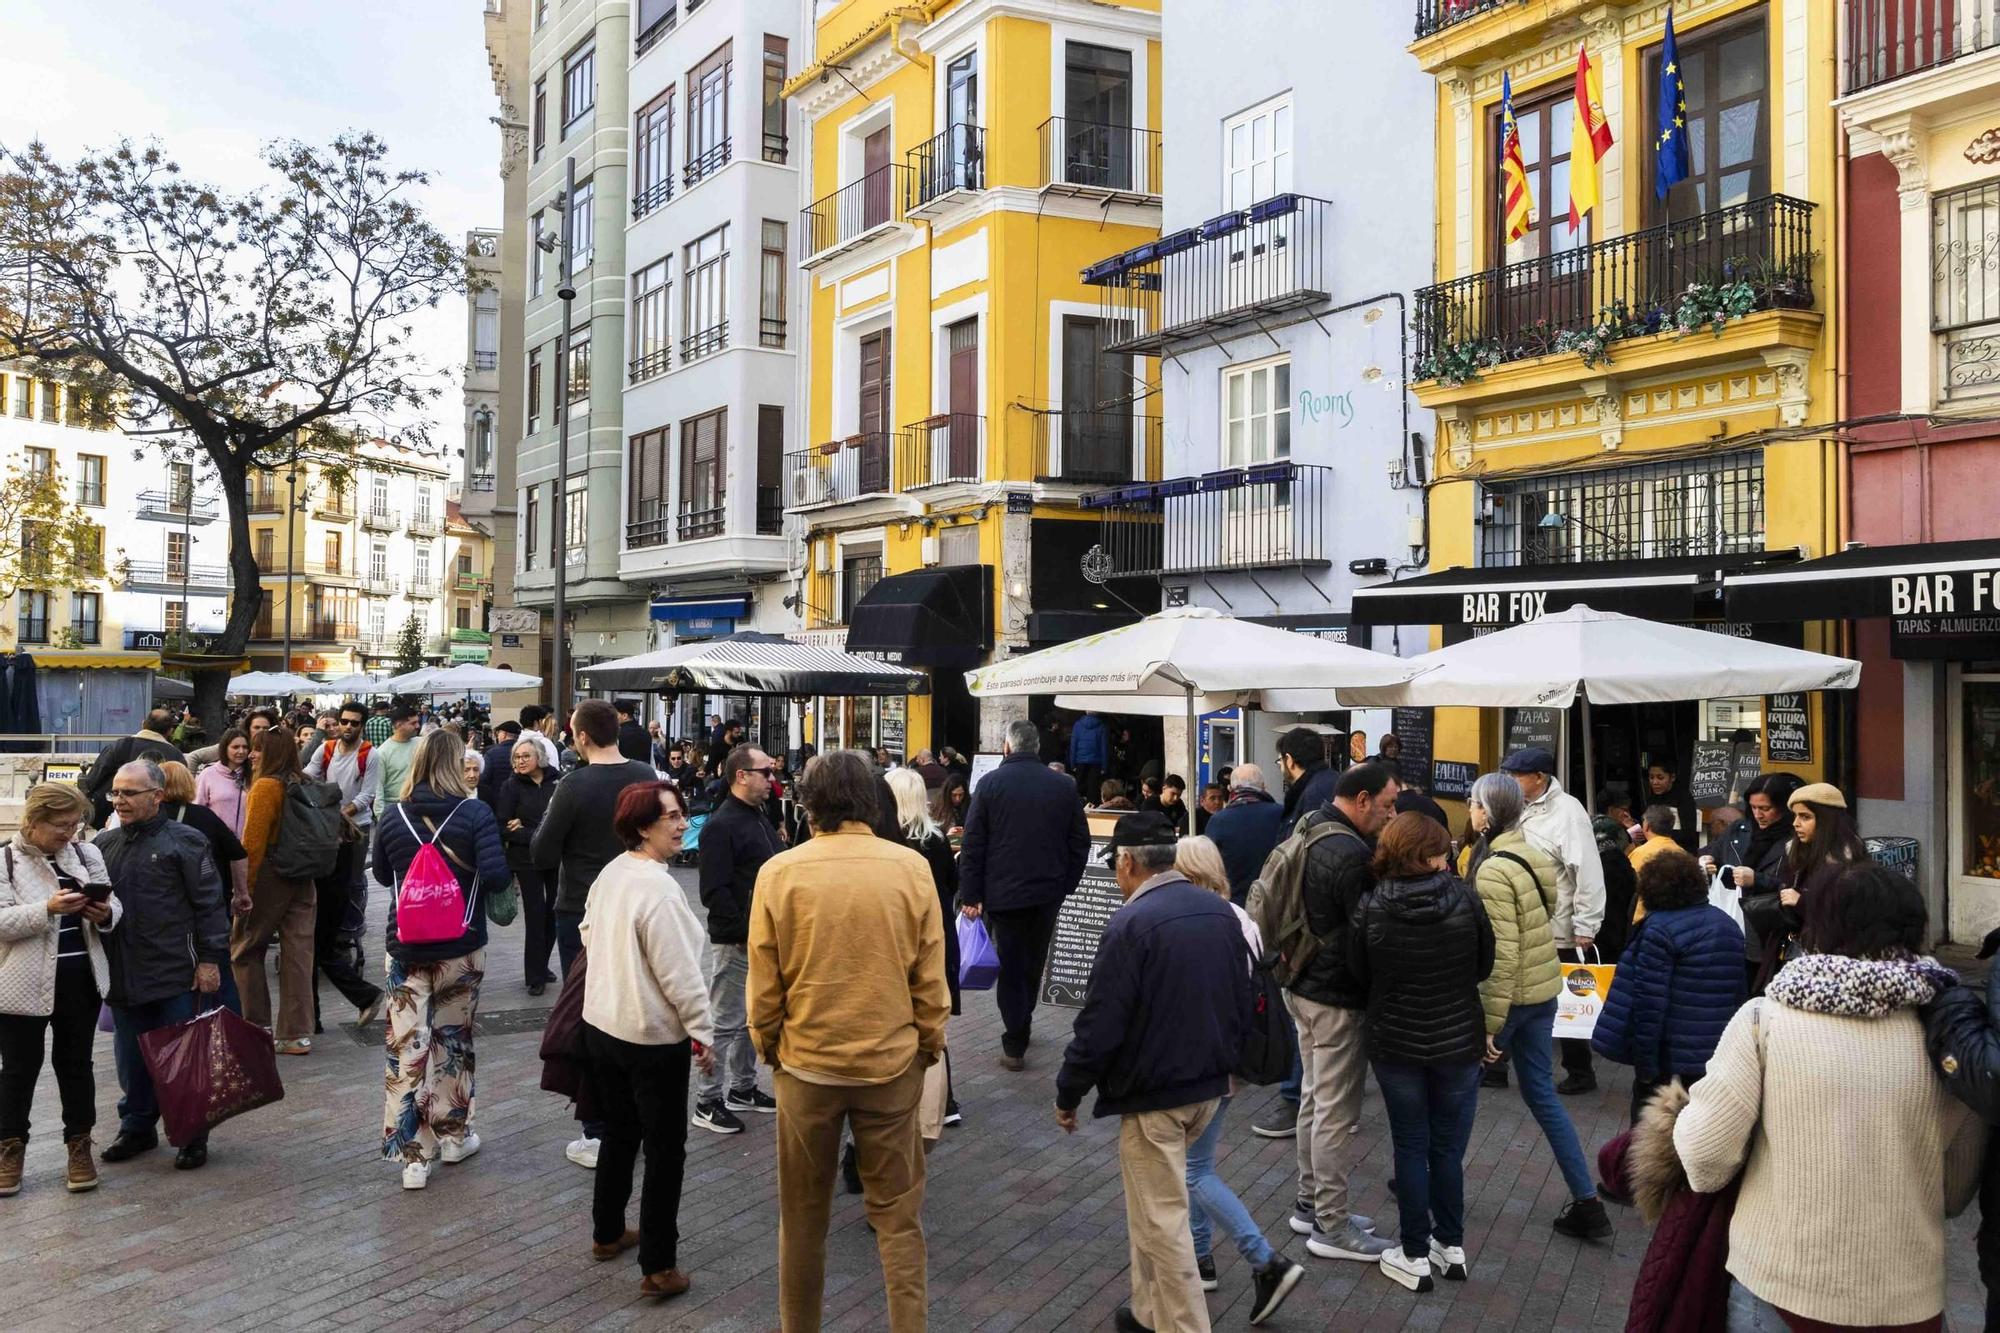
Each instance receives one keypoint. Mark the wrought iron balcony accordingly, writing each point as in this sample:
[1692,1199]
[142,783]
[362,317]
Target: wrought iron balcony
[1096,448]
[268,499]
[653,361]
[328,571]
[380,585]
[480,481]
[949,167]
[423,586]
[1892,39]
[771,331]
[379,520]
[1437,15]
[950,446]
[654,195]
[1112,162]
[1965,307]
[1271,516]
[706,163]
[1229,273]
[770,511]
[695,524]
[854,214]
[648,524]
[485,361]
[703,342]
[1712,505]
[320,629]
[171,576]
[337,507]
[177,505]
[838,471]
[1682,275]
[424,524]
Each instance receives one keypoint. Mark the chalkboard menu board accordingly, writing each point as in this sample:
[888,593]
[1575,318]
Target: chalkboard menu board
[1412,729]
[1748,763]
[1709,782]
[1788,728]
[1451,780]
[1535,728]
[1079,927]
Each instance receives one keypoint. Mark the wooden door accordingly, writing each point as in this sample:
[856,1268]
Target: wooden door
[872,423]
[963,383]
[875,179]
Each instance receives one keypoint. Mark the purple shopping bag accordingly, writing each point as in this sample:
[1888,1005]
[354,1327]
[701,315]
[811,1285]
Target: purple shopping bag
[208,1069]
[104,1023]
[978,964]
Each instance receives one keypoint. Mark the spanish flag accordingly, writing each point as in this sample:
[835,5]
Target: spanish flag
[1589,140]
[1520,200]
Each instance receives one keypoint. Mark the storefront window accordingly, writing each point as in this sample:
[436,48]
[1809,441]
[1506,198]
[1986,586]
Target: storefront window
[893,727]
[1723,719]
[1981,783]
[861,724]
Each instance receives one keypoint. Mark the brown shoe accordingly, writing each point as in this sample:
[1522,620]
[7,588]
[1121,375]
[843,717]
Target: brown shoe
[661,1286]
[604,1254]
[81,1174]
[1013,1064]
[11,1153]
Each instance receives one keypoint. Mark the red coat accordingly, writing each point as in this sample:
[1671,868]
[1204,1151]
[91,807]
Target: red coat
[1683,1282]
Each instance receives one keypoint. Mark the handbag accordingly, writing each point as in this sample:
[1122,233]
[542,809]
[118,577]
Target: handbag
[978,963]
[209,1069]
[502,905]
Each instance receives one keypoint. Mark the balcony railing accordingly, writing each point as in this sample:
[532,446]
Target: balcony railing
[380,585]
[423,585]
[341,570]
[949,164]
[485,360]
[770,511]
[702,342]
[649,363]
[945,448]
[1096,448]
[1890,39]
[1712,505]
[267,500]
[1228,273]
[379,520]
[166,576]
[648,525]
[770,331]
[1271,516]
[1080,157]
[706,163]
[177,506]
[777,145]
[335,508]
[660,28]
[480,481]
[425,525]
[1437,15]
[695,524]
[838,471]
[1684,275]
[854,213]
[321,629]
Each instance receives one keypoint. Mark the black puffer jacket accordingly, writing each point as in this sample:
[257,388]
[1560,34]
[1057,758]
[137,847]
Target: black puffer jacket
[1963,1029]
[1421,947]
[1337,879]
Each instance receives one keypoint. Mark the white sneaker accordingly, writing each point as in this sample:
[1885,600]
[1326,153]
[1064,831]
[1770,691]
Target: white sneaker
[1400,1268]
[457,1150]
[1448,1261]
[583,1152]
[416,1175]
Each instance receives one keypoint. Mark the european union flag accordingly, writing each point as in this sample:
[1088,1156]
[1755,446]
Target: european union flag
[1670,144]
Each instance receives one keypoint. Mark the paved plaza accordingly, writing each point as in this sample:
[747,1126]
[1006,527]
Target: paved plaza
[296,1223]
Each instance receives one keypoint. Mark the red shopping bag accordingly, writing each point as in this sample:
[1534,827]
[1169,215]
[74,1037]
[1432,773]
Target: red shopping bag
[208,1069]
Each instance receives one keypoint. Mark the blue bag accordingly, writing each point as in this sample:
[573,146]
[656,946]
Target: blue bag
[978,964]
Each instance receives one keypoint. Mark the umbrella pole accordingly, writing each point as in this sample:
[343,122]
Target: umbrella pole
[1589,790]
[1193,743]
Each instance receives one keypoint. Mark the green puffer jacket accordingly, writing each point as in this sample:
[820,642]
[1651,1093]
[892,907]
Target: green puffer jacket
[1524,949]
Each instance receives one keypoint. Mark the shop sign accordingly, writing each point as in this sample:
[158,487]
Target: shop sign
[1788,729]
[1949,637]
[1451,780]
[1535,728]
[1711,769]
[1079,929]
[1897,854]
[1412,729]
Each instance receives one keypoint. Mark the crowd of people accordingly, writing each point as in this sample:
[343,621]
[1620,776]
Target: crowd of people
[1339,916]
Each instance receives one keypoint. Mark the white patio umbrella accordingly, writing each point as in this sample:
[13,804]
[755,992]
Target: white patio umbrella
[360,682]
[1602,657]
[263,684]
[466,677]
[1191,658]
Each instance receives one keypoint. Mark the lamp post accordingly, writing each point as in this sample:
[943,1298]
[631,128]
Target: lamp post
[291,543]
[558,547]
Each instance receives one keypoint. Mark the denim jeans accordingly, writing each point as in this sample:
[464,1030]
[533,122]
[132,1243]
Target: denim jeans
[735,1057]
[1289,1089]
[1528,1036]
[1210,1201]
[1430,1122]
[139,1108]
[1751,1313]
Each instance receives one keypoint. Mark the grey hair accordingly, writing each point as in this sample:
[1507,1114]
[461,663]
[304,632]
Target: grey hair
[1248,775]
[155,775]
[1022,738]
[1152,857]
[1500,796]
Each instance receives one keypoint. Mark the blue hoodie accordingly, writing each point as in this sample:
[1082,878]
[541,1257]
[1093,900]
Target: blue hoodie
[1089,743]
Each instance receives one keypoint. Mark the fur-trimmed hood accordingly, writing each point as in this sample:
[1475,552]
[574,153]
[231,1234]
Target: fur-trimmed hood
[1653,1170]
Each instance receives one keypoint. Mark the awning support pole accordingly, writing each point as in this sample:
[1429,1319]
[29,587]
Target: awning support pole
[1193,739]
[1589,789]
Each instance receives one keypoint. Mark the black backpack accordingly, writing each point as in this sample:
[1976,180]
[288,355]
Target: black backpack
[1267,1045]
[309,831]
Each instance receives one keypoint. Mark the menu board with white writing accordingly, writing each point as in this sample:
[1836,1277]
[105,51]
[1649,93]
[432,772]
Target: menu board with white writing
[1788,729]
[1712,773]
[1079,927]
[1534,729]
[1412,729]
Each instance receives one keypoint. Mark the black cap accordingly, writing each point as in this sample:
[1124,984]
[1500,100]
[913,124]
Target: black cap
[1534,759]
[1143,828]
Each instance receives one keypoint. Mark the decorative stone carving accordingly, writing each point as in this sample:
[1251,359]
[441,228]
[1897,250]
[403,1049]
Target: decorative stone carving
[1984,150]
[1458,438]
[1904,146]
[1610,419]
[1788,365]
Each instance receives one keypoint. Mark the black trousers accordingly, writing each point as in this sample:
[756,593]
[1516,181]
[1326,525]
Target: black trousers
[74,1023]
[336,956]
[538,920]
[1574,1053]
[641,1091]
[1021,938]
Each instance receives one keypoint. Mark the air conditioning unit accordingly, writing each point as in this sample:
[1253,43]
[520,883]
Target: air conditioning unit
[822,557]
[930,550]
[810,486]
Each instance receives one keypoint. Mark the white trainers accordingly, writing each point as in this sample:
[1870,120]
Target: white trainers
[457,1150]
[1400,1268]
[416,1175]
[583,1152]
[1448,1261]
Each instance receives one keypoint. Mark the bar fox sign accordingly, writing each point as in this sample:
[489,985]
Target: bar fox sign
[1941,599]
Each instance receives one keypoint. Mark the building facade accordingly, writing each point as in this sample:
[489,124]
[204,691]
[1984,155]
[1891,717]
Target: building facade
[962,388]
[508,30]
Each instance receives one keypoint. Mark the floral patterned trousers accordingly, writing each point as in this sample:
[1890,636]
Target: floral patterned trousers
[429,1040]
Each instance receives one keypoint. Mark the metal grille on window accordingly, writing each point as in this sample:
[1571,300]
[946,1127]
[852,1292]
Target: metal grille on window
[771,315]
[1965,289]
[650,342]
[1712,505]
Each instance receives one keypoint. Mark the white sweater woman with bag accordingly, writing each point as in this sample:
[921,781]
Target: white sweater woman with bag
[55,898]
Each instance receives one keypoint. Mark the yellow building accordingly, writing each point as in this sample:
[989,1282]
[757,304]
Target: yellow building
[969,159]
[1628,410]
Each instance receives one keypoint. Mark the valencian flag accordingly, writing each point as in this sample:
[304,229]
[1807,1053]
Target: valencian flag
[1589,140]
[1520,201]
[1670,147]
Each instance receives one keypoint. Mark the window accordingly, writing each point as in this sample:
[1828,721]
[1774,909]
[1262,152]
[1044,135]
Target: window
[462,616]
[267,550]
[858,573]
[1725,71]
[582,233]
[90,480]
[486,329]
[650,343]
[177,554]
[333,553]
[90,552]
[420,567]
[774,98]
[1257,154]
[770,469]
[576,515]
[656,20]
[482,445]
[705,322]
[579,369]
[579,84]
[652,160]
[771,304]
[538,119]
[702,445]
[534,389]
[378,496]
[1096,413]
[541,12]
[86,616]
[49,412]
[24,396]
[378,564]
[537,257]
[180,484]
[708,116]
[1257,414]
[465,564]
[1679,509]
[531,526]
[958,545]
[1965,290]
[174,617]
[646,494]
[41,463]
[33,623]
[378,622]
[423,504]
[1545,130]
[1097,110]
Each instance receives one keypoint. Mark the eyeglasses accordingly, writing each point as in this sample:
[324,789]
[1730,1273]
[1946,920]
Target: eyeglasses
[122,794]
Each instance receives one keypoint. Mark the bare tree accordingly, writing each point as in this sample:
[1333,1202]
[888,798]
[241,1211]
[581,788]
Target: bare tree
[260,325]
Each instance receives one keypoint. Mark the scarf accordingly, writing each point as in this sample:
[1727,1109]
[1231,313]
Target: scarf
[1823,983]
[1762,839]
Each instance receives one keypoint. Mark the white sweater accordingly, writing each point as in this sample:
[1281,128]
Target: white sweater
[646,980]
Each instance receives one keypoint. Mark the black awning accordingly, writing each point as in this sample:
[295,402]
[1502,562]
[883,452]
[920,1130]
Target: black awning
[1959,579]
[940,617]
[1046,629]
[1673,589]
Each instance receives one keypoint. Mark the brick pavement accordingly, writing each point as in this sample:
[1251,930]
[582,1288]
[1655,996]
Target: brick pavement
[296,1224]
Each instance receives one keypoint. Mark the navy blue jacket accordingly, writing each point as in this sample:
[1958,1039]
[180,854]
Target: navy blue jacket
[496,766]
[1089,742]
[1025,838]
[1245,831]
[1168,1007]
[1963,1033]
[1679,982]
[470,845]
[1311,792]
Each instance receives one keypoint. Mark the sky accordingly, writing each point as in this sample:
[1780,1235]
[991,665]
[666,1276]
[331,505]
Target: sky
[214,80]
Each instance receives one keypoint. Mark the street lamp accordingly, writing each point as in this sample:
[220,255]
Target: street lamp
[558,546]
